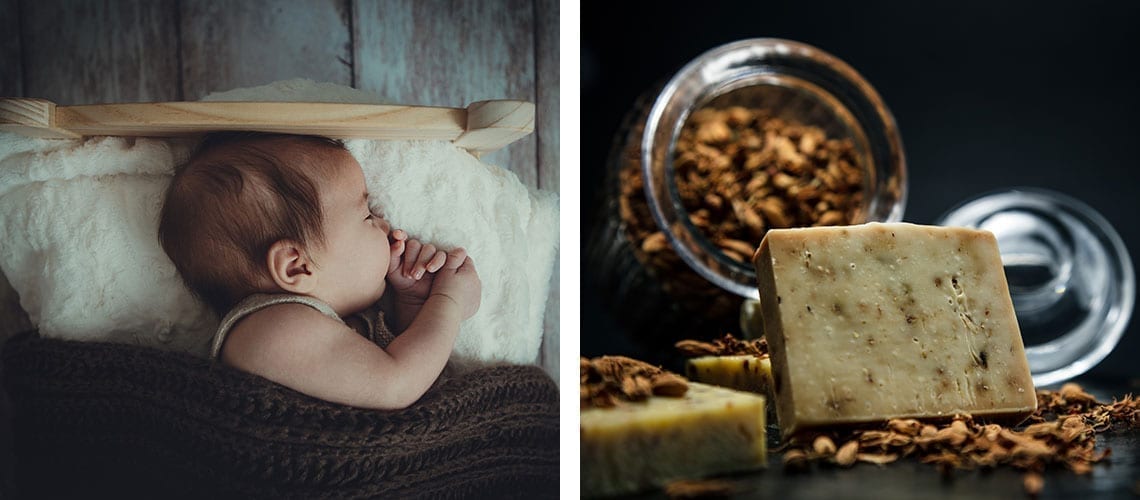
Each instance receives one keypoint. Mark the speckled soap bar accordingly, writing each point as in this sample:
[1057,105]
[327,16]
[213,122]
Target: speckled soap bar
[878,321]
[741,372]
[639,445]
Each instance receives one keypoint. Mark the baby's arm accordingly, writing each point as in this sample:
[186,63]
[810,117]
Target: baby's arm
[298,347]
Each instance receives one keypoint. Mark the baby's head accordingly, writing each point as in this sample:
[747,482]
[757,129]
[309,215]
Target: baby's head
[273,213]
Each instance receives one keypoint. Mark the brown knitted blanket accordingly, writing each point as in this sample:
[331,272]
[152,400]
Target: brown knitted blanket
[99,419]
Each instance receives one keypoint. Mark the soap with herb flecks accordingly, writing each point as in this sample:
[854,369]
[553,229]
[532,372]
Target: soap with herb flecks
[743,372]
[877,321]
[634,446]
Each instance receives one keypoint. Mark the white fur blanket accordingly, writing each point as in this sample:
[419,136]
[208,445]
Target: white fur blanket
[78,222]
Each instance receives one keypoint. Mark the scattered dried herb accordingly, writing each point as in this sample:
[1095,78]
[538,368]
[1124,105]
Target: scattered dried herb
[607,380]
[1033,483]
[724,346]
[1062,431]
[1072,400]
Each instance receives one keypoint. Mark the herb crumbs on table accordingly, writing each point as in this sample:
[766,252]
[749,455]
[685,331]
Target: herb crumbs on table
[1061,432]
[727,345]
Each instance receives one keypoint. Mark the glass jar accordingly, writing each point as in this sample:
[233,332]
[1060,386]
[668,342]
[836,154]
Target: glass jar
[654,264]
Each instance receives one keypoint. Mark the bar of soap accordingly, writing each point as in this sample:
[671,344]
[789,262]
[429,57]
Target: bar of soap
[741,372]
[878,321]
[640,445]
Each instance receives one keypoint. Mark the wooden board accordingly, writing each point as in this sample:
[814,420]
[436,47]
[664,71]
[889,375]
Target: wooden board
[446,53]
[482,127]
[83,52]
[228,44]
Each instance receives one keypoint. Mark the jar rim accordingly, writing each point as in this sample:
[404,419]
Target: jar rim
[696,84]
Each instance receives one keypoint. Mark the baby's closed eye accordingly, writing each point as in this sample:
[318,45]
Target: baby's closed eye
[374,214]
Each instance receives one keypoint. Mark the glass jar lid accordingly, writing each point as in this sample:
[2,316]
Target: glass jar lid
[1069,273]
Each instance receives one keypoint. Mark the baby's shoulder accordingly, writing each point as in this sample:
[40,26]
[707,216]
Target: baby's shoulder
[279,330]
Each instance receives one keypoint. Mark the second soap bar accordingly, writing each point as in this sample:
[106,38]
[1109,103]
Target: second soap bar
[878,321]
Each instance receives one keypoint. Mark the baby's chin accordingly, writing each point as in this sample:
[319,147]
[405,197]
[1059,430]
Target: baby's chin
[362,301]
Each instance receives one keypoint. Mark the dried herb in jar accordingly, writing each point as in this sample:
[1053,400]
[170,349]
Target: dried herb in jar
[740,172]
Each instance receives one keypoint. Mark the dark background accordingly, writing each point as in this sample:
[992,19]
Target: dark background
[986,97]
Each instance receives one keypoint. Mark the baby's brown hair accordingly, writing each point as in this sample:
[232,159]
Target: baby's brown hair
[240,193]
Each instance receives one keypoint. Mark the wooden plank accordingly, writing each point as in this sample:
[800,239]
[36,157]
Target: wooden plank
[548,96]
[551,339]
[32,118]
[546,41]
[86,51]
[450,53]
[332,119]
[494,124]
[12,75]
[228,44]
[483,126]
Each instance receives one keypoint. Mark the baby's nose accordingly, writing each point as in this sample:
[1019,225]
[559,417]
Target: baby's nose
[385,226]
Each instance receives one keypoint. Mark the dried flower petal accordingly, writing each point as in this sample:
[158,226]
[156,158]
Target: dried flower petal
[847,453]
[669,384]
[909,426]
[823,445]
[609,379]
[727,345]
[877,458]
[699,488]
[1033,483]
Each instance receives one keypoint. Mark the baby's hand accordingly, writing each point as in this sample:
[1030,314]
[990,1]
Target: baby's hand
[458,281]
[412,266]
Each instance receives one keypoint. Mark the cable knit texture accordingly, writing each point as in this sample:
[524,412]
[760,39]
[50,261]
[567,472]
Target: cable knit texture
[101,418]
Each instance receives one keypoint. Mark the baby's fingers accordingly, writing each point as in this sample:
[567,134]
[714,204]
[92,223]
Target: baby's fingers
[436,262]
[427,253]
[411,257]
[396,250]
[468,265]
[455,258]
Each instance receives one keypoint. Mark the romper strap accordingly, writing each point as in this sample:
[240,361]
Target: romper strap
[257,302]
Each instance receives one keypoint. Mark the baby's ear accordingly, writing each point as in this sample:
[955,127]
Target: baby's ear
[290,267]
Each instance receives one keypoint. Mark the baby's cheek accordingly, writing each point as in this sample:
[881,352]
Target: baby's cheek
[385,256]
[385,262]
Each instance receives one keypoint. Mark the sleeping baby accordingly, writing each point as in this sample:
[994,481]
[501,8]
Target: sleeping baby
[316,292]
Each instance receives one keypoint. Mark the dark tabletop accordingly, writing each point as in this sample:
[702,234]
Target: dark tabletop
[1117,477]
[987,95]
